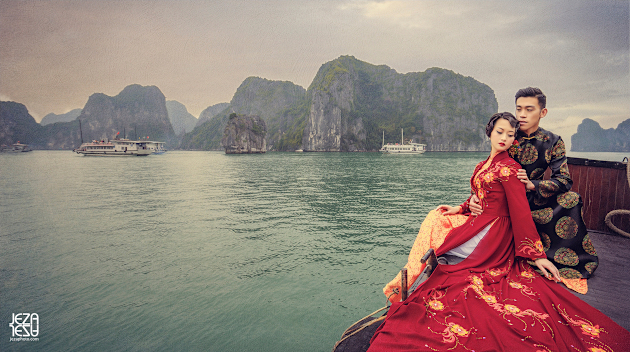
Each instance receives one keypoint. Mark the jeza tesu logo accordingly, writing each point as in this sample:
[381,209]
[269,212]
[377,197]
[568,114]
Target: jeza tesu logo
[25,325]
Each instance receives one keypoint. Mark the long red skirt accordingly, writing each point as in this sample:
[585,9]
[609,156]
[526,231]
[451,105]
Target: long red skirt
[509,308]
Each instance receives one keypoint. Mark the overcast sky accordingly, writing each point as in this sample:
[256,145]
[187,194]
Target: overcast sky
[55,54]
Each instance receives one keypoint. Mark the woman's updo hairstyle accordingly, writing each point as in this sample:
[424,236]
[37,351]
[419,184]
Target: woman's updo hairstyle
[501,115]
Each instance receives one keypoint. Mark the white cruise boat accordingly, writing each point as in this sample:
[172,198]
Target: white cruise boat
[155,147]
[114,147]
[15,148]
[402,148]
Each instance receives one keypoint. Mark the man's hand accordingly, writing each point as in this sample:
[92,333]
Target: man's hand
[449,210]
[522,176]
[473,205]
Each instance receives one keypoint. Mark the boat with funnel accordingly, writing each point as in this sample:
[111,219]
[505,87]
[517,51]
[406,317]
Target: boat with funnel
[114,147]
[402,148]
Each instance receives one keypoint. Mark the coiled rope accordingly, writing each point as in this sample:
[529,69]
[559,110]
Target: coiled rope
[607,220]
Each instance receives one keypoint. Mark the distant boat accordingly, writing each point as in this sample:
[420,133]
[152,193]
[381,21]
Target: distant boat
[299,151]
[15,148]
[155,147]
[402,148]
[114,147]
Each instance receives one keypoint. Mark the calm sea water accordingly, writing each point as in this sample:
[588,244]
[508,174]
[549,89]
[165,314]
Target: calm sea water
[201,251]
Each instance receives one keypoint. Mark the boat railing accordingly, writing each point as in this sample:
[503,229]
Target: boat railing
[604,186]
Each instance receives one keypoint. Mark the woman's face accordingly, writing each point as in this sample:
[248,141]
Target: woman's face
[502,135]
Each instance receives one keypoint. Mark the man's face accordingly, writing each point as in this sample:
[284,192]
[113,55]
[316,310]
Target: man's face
[528,113]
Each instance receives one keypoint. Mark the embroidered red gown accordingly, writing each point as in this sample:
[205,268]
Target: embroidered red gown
[493,300]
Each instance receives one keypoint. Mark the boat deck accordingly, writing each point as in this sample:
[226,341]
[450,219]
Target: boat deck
[609,287]
[604,186]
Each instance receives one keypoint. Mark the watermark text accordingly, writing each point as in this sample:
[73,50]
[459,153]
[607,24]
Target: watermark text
[24,327]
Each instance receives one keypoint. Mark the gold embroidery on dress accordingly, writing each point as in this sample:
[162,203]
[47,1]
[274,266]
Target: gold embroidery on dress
[433,303]
[590,331]
[531,247]
[507,310]
[487,174]
[451,334]
[525,290]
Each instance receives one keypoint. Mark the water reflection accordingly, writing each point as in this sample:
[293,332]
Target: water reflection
[247,246]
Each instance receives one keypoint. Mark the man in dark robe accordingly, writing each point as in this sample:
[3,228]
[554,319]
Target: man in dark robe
[556,210]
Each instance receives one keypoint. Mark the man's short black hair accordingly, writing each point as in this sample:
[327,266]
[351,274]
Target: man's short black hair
[533,92]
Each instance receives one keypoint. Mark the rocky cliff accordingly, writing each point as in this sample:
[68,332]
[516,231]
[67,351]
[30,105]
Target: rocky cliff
[137,111]
[352,102]
[210,112]
[347,107]
[54,118]
[16,124]
[276,102]
[181,120]
[591,137]
[244,135]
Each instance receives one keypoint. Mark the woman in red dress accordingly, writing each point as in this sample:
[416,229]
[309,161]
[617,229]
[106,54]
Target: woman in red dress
[493,300]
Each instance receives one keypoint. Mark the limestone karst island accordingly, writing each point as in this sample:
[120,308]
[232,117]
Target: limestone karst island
[351,105]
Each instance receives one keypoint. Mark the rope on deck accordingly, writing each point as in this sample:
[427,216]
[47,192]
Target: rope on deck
[608,221]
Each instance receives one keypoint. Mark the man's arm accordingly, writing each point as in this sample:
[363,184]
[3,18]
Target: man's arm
[560,180]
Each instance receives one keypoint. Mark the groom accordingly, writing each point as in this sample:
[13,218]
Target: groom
[556,210]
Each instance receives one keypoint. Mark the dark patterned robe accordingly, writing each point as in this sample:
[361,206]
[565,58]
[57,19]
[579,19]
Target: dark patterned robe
[556,210]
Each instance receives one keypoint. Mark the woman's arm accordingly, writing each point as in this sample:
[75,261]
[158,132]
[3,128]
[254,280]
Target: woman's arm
[449,210]
[547,268]
[526,239]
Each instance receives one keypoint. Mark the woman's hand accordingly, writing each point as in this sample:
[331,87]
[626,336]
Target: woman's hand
[548,268]
[473,204]
[449,210]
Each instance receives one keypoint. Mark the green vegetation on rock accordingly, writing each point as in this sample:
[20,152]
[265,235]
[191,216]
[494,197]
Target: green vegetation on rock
[438,107]
[347,107]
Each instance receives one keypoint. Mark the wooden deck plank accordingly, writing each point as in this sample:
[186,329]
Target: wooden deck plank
[609,287]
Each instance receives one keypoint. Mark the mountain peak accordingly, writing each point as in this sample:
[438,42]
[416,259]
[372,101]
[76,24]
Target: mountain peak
[591,137]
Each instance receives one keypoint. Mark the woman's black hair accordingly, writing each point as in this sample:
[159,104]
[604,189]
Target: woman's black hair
[501,115]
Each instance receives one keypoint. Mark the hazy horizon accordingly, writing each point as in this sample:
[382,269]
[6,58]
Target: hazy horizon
[55,54]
